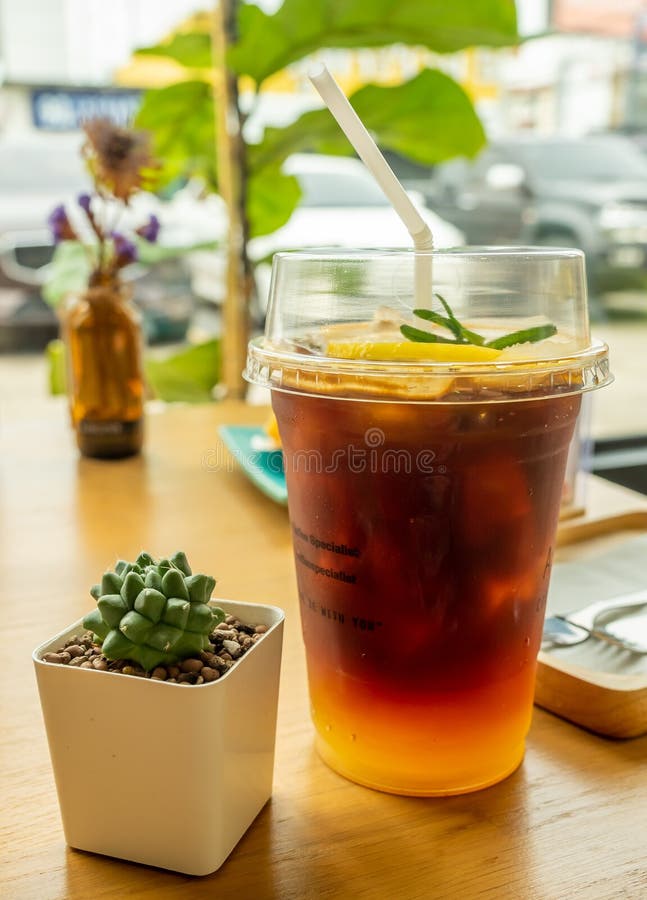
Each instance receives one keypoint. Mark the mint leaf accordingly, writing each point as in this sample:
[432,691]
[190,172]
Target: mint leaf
[430,316]
[526,336]
[463,335]
[423,337]
[450,322]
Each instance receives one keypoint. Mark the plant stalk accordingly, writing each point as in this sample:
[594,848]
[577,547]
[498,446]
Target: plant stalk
[231,164]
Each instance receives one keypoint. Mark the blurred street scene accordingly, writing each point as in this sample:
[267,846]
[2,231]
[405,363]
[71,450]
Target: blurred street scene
[565,114]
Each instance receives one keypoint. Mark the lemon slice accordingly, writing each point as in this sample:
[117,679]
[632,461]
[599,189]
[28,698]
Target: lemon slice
[411,350]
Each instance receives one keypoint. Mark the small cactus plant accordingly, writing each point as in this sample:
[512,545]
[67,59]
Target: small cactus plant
[153,612]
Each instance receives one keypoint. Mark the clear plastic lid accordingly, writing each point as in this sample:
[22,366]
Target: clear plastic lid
[474,324]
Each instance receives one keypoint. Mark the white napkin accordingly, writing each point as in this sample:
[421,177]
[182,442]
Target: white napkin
[621,570]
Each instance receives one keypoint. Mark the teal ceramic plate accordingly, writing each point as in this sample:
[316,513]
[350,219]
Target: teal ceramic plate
[263,467]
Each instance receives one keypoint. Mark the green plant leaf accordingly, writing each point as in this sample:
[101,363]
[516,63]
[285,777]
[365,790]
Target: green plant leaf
[460,332]
[525,336]
[151,254]
[68,272]
[268,43]
[428,119]
[272,197]
[191,49]
[430,316]
[181,119]
[188,376]
[423,337]
[315,130]
[56,367]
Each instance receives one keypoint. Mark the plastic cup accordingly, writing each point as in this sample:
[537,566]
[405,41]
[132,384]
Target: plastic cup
[424,496]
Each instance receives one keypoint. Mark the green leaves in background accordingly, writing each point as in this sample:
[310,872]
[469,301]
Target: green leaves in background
[268,43]
[70,268]
[56,367]
[69,272]
[190,48]
[188,376]
[272,197]
[181,119]
[427,119]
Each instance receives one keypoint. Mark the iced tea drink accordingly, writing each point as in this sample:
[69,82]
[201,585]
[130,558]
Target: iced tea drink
[424,488]
[423,539]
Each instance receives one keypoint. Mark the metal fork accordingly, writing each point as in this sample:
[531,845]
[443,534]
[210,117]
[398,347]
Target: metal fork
[568,629]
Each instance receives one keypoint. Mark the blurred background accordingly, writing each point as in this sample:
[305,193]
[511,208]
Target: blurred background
[564,163]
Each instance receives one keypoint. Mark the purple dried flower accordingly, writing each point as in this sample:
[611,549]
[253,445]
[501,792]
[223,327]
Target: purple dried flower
[85,202]
[119,159]
[125,250]
[60,225]
[150,230]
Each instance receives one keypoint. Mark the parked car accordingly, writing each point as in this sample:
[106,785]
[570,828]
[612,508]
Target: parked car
[635,133]
[36,173]
[341,206]
[589,193]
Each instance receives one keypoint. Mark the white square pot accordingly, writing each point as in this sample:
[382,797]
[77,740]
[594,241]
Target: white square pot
[158,773]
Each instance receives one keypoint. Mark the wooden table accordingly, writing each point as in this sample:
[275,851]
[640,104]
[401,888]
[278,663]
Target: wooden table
[570,823]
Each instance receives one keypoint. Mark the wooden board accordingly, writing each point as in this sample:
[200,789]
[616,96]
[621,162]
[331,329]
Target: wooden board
[612,704]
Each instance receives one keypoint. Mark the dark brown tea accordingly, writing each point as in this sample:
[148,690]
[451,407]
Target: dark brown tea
[423,537]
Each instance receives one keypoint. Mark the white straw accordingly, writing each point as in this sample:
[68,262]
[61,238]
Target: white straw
[369,153]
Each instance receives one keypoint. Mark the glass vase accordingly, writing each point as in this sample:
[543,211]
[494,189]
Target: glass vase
[102,333]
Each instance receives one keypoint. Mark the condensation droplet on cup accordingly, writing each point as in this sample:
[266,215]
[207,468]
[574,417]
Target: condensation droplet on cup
[328,727]
[353,737]
[526,642]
